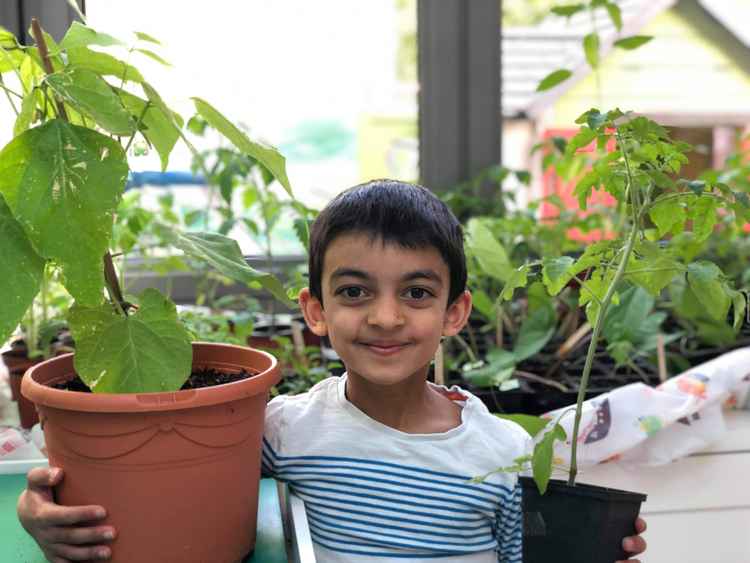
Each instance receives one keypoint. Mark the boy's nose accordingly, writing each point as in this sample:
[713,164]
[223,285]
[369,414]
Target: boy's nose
[385,313]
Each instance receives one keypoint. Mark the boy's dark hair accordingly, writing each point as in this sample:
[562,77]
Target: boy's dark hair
[394,212]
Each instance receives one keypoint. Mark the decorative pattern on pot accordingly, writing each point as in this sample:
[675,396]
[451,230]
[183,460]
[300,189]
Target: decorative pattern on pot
[178,432]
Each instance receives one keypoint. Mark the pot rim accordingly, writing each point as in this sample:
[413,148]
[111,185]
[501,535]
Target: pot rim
[560,486]
[61,367]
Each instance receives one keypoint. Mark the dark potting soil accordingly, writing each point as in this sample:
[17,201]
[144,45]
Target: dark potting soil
[204,377]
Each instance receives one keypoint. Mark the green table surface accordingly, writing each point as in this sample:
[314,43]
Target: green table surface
[17,547]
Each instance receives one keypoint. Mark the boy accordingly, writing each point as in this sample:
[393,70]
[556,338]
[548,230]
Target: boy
[381,457]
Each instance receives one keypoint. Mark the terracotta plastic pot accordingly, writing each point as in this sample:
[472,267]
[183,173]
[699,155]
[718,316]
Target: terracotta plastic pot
[177,472]
[17,366]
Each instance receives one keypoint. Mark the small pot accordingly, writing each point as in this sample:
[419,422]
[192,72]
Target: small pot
[17,364]
[178,472]
[578,524]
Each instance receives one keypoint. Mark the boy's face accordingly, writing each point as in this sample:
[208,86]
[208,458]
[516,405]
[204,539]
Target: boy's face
[385,307]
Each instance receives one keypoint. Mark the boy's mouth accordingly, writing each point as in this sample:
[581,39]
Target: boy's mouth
[384,348]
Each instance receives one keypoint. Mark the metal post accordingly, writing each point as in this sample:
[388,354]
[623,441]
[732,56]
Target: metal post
[459,95]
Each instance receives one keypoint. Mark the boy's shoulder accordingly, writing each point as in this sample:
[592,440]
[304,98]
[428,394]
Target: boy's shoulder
[320,396]
[493,428]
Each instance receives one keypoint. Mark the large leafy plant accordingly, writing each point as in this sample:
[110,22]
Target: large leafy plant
[78,110]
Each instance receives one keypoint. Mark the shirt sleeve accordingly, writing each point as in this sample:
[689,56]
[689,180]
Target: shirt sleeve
[509,523]
[272,436]
[509,529]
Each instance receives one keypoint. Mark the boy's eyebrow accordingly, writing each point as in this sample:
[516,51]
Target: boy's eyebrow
[349,272]
[415,275]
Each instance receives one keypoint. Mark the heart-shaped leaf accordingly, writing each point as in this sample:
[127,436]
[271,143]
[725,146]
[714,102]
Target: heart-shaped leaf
[21,271]
[146,352]
[61,178]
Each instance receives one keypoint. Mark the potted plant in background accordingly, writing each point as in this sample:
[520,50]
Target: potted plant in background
[246,199]
[138,444]
[639,173]
[44,334]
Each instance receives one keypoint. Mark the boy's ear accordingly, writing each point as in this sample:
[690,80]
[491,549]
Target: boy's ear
[312,310]
[457,314]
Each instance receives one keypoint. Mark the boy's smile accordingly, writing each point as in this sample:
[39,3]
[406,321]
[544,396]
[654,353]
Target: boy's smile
[384,308]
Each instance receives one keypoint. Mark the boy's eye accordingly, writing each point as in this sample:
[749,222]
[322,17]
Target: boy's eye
[417,293]
[350,292]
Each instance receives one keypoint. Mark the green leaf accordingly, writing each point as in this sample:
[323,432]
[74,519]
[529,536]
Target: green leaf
[661,270]
[146,37]
[160,130]
[668,215]
[150,54]
[26,115]
[517,279]
[581,139]
[553,79]
[488,251]
[584,187]
[536,330]
[615,15]
[595,119]
[146,352]
[91,95]
[625,319]
[102,64]
[739,303]
[78,35]
[532,424]
[61,178]
[556,273]
[268,156]
[498,367]
[591,49]
[703,215]
[544,456]
[223,254]
[567,10]
[482,303]
[704,279]
[632,42]
[21,272]
[593,292]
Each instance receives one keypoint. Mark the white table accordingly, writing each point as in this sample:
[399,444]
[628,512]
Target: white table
[698,508]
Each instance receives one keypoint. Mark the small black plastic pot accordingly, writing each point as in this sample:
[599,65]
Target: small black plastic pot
[578,524]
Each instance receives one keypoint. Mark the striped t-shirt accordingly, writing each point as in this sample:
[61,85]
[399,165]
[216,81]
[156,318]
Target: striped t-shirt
[376,494]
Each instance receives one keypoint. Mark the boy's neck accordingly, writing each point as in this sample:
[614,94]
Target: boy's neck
[412,406]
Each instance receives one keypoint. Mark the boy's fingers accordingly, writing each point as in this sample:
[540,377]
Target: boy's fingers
[92,535]
[640,525]
[43,477]
[634,545]
[56,515]
[64,552]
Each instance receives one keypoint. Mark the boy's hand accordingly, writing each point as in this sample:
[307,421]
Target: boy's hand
[64,533]
[635,544]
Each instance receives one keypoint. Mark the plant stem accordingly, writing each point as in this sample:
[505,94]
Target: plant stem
[599,325]
[36,31]
[466,347]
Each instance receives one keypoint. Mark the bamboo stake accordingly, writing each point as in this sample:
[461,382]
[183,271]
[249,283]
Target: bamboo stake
[439,365]
[661,357]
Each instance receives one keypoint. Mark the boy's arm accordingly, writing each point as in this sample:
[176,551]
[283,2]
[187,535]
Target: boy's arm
[509,530]
[64,533]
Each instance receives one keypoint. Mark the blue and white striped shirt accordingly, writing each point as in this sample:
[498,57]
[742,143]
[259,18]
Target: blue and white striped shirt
[373,493]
